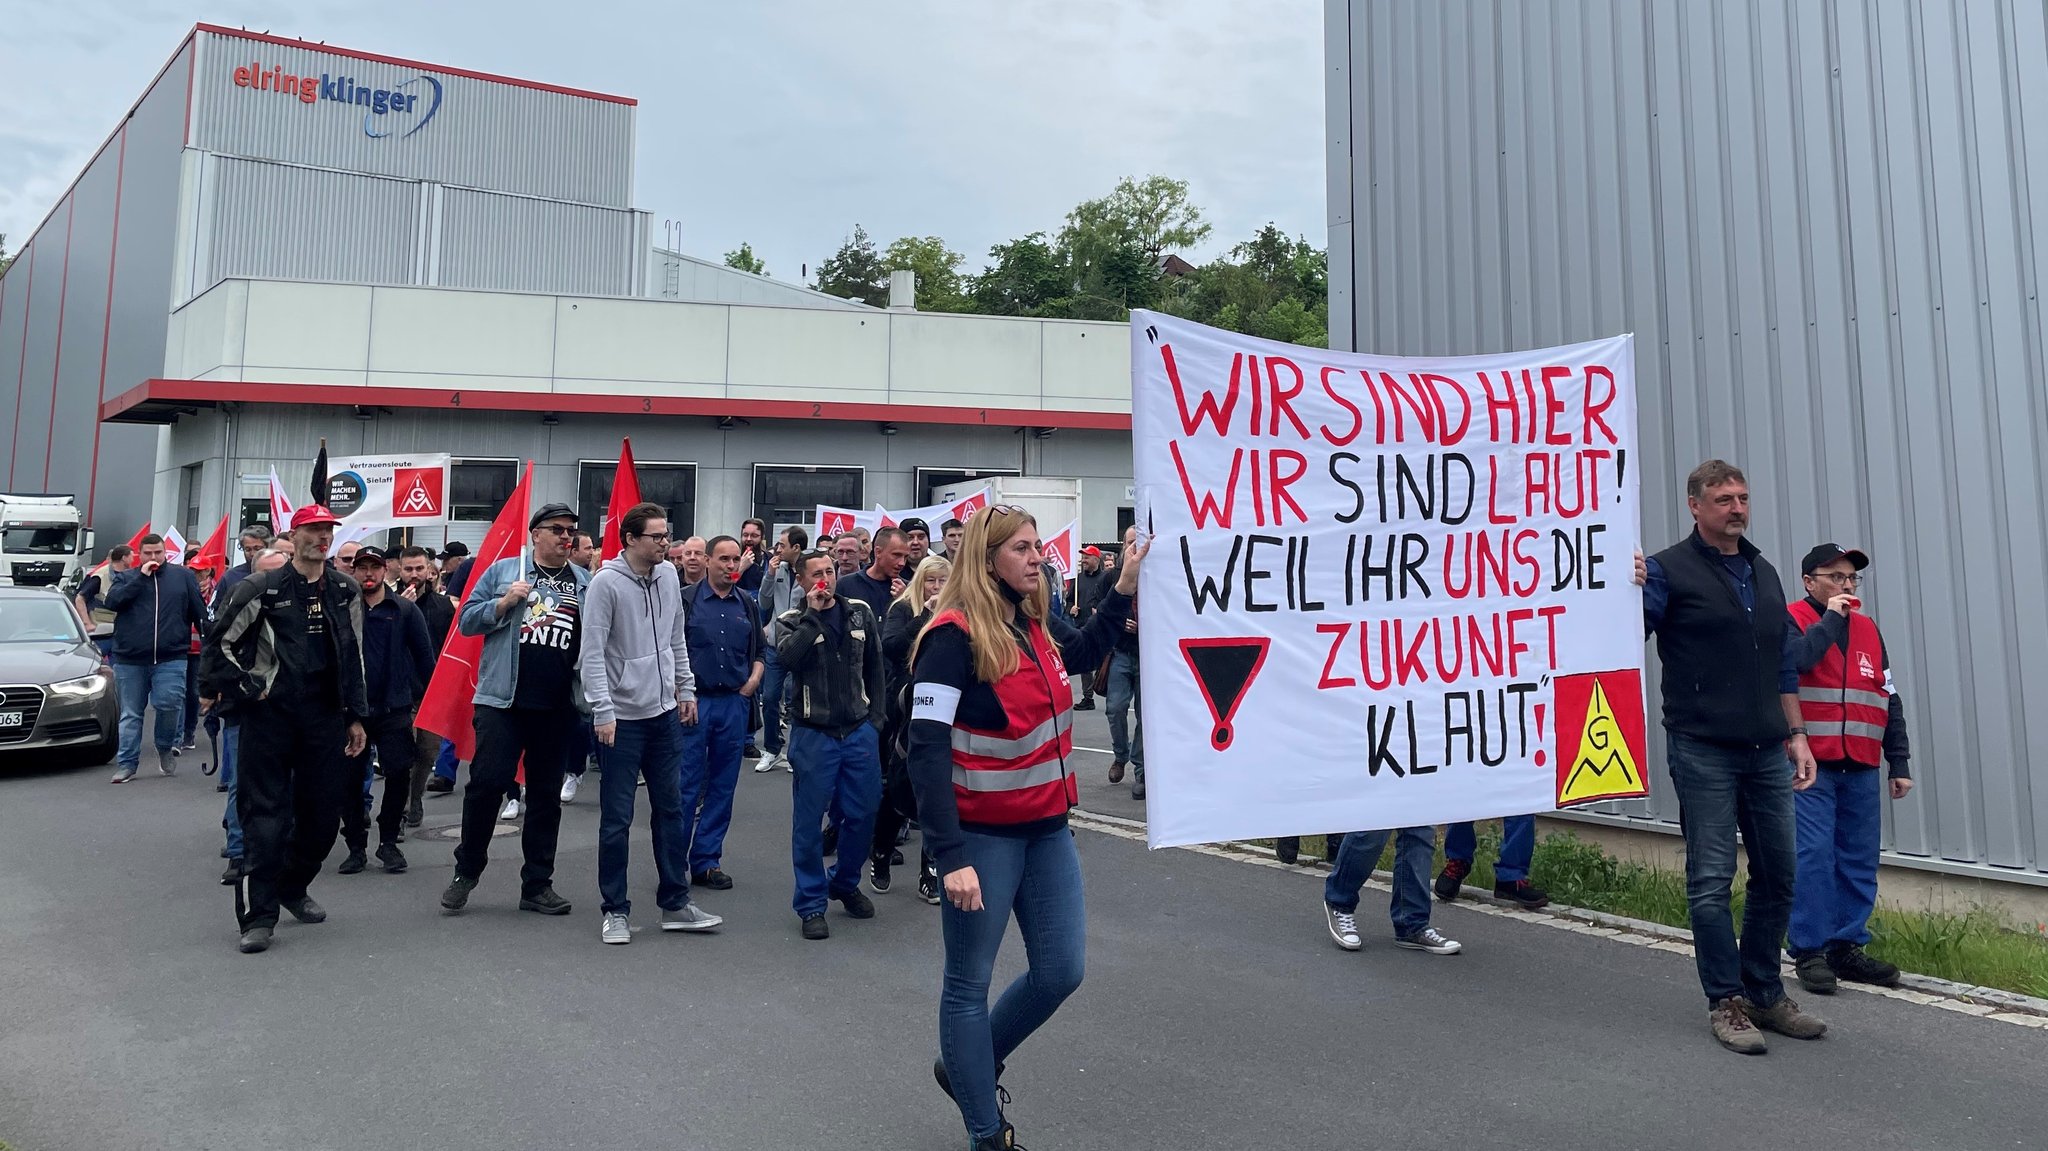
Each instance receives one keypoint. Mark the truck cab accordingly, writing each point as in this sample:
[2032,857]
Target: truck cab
[43,540]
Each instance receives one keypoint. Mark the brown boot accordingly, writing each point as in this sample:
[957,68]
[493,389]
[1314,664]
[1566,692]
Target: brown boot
[1785,1018]
[1732,1027]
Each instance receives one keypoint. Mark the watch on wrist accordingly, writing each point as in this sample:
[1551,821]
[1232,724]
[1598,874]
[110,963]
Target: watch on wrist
[1797,733]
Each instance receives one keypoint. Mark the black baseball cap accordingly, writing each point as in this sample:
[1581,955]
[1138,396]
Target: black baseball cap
[458,548]
[551,512]
[913,524]
[1829,553]
[369,554]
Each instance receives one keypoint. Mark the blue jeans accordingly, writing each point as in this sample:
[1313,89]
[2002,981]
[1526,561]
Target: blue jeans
[1517,846]
[845,774]
[776,684]
[230,746]
[653,748]
[141,686]
[1722,790]
[1123,699]
[1040,881]
[1414,852]
[445,763]
[190,727]
[711,773]
[1839,827]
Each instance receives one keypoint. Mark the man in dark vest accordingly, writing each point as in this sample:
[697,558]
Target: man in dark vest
[1854,722]
[1736,748]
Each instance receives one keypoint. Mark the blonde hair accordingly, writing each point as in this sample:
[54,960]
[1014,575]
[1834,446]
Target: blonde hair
[974,591]
[913,588]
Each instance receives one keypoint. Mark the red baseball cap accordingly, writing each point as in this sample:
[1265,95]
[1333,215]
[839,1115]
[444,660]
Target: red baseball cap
[1091,550]
[313,514]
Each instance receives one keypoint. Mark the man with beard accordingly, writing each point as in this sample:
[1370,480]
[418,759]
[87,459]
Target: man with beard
[398,660]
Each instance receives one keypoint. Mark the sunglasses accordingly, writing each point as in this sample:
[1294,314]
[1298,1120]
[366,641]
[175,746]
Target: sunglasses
[1007,509]
[556,529]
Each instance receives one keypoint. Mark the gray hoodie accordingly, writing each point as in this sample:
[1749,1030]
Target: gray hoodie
[635,660]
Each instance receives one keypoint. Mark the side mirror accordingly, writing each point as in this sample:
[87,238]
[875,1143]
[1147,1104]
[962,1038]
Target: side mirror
[91,542]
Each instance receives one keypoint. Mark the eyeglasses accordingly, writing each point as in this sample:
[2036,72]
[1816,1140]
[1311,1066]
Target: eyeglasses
[664,536]
[556,529]
[1847,579]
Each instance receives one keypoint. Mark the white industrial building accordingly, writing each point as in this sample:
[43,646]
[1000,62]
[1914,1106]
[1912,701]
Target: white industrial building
[284,241]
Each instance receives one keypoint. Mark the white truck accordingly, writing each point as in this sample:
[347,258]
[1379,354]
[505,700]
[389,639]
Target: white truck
[43,540]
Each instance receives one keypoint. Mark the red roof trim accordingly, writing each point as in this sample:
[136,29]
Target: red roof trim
[569,403]
[402,62]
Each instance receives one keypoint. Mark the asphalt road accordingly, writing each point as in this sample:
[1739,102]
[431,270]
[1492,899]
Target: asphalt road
[1216,1014]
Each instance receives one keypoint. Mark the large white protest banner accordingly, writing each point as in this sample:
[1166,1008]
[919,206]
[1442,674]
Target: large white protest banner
[832,521]
[1383,592]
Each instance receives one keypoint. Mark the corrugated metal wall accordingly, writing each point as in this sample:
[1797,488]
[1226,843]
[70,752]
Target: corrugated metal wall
[288,222]
[1820,221]
[513,243]
[485,134]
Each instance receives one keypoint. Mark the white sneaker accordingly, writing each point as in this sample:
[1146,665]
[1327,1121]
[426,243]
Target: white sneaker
[616,929]
[689,917]
[1343,927]
[569,785]
[768,762]
[511,810]
[1431,940]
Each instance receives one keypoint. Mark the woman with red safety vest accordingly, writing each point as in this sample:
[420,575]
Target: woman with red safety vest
[1854,723]
[991,749]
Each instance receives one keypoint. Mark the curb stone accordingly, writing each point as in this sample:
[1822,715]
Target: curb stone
[1986,1002]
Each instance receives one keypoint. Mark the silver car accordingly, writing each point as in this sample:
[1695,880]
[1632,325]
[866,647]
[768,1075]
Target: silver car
[57,695]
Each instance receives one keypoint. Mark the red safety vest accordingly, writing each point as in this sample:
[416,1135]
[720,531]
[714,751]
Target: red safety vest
[1019,773]
[1843,701]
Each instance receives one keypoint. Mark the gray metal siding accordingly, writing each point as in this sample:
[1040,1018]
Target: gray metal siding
[485,135]
[288,222]
[511,243]
[1819,220]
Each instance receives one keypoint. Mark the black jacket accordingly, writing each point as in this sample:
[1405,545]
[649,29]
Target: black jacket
[1089,588]
[899,632]
[398,658]
[154,614]
[438,611]
[838,671]
[1722,660]
[946,660]
[258,647]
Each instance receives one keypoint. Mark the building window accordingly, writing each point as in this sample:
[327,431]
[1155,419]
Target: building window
[191,483]
[478,489]
[790,493]
[673,486]
[930,480]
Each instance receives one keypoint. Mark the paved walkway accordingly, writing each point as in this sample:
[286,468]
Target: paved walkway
[1216,1014]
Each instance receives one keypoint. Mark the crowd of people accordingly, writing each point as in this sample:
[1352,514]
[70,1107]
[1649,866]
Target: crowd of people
[906,682]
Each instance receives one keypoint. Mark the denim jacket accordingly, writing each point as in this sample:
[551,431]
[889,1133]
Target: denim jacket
[497,676]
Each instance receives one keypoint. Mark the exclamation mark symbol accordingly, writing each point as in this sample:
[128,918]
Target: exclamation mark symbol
[1620,470]
[1541,756]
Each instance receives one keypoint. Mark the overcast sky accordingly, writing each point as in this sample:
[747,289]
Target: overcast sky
[786,123]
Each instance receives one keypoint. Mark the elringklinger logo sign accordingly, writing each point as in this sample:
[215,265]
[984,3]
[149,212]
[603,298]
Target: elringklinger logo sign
[399,110]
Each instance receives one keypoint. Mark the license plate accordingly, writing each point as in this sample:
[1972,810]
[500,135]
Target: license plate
[11,718]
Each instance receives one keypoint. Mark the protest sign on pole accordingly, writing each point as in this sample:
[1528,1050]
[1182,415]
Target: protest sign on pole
[1060,549]
[374,493]
[1422,569]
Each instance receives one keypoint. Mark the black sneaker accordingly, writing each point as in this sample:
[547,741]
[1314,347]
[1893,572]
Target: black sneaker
[1004,1140]
[857,904]
[750,752]
[896,856]
[233,874]
[392,858]
[1452,879]
[946,1081]
[1815,975]
[546,902]
[305,910]
[815,927]
[440,785]
[1856,965]
[415,815]
[878,872]
[1287,848]
[355,862]
[1522,894]
[1087,704]
[832,841]
[713,879]
[255,939]
[928,883]
[457,893]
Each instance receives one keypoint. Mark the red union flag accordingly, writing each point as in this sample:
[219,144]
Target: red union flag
[1059,549]
[449,708]
[625,493]
[416,493]
[970,505]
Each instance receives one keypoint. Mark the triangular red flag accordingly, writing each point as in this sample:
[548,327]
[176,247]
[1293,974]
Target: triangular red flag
[134,545]
[625,493]
[213,554]
[450,704]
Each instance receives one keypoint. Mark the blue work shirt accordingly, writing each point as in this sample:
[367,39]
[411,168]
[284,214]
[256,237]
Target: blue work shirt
[724,634]
[1742,575]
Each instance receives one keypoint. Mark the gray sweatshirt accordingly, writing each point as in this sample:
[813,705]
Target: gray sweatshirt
[635,660]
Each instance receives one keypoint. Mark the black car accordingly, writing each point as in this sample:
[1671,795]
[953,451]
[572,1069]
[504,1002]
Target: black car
[57,697]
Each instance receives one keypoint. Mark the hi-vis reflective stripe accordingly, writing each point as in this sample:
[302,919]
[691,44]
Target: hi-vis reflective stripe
[1857,696]
[1865,730]
[1051,771]
[995,747]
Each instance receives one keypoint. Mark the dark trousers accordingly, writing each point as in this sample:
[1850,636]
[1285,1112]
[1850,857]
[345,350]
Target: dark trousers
[897,799]
[653,749]
[426,748]
[391,737]
[291,778]
[1723,790]
[503,736]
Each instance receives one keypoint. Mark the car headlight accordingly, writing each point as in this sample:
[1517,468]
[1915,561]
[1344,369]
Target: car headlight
[84,687]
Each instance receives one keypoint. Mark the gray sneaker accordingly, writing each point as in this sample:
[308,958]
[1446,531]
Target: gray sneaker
[689,917]
[1732,1028]
[1785,1018]
[123,775]
[166,761]
[1431,940]
[1343,927]
[616,929]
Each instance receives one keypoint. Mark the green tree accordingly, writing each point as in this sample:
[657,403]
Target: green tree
[855,271]
[1267,286]
[1025,277]
[745,260]
[939,284]
[6,261]
[1113,246]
